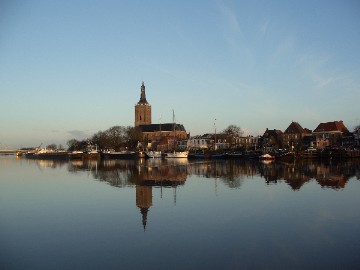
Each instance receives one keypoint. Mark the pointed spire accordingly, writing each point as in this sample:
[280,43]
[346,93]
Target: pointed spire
[143,95]
[144,211]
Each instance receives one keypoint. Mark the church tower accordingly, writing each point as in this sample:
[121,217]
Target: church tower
[142,109]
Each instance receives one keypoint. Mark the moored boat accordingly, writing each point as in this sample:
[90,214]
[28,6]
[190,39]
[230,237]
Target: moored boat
[45,153]
[177,154]
[153,154]
[76,155]
[119,155]
[235,155]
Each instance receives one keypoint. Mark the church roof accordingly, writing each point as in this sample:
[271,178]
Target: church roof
[162,127]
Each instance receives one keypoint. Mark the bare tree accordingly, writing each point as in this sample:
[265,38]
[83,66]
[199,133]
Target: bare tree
[231,133]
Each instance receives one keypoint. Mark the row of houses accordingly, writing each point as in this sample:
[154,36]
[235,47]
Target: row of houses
[168,135]
[295,137]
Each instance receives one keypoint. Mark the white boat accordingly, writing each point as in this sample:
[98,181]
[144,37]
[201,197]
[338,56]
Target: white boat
[125,154]
[153,154]
[177,154]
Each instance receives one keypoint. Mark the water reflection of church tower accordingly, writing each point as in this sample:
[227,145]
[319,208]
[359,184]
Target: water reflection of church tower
[144,201]
[142,109]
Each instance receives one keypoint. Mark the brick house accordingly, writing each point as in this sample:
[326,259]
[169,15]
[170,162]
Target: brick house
[294,137]
[330,134]
[271,140]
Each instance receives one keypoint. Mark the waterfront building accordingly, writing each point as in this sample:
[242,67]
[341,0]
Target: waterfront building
[357,137]
[272,139]
[247,143]
[330,134]
[156,134]
[198,142]
[294,137]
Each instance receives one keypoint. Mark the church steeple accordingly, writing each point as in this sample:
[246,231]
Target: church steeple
[143,95]
[142,109]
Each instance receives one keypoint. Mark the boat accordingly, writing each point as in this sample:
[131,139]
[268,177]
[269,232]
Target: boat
[208,155]
[218,155]
[177,154]
[126,154]
[45,153]
[267,157]
[197,156]
[153,154]
[235,155]
[76,154]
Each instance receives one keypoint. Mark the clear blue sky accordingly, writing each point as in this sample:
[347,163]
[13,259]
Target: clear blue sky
[71,68]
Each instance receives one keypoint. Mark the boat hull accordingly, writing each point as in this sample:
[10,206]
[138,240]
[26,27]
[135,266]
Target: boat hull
[177,154]
[119,155]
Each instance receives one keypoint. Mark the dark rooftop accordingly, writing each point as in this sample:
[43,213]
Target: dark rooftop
[162,127]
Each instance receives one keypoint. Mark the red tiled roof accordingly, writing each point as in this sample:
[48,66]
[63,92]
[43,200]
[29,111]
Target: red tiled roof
[331,126]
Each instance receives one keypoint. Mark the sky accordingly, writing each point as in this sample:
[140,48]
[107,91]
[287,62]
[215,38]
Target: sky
[69,69]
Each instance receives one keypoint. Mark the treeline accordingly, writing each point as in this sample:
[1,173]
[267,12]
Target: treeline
[116,137]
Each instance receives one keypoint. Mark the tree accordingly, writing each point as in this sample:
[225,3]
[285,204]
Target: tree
[51,146]
[72,144]
[231,133]
[133,136]
[100,139]
[233,130]
[115,137]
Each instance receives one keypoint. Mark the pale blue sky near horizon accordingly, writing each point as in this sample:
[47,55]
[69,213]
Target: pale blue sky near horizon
[71,68]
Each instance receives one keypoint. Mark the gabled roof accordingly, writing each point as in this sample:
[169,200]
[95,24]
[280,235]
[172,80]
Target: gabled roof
[162,127]
[295,128]
[331,127]
[273,132]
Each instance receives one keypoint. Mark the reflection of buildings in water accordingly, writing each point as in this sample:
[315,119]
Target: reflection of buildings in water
[333,175]
[231,172]
[330,176]
[45,163]
[152,172]
[162,175]
[295,177]
[144,201]
[269,171]
[83,165]
[119,173]
[144,174]
[48,163]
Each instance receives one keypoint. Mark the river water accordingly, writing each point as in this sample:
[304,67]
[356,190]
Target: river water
[173,214]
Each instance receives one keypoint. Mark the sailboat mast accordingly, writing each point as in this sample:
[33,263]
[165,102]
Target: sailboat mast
[174,128]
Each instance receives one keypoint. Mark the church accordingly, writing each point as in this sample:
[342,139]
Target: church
[161,136]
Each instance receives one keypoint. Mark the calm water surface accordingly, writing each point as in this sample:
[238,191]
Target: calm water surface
[153,214]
